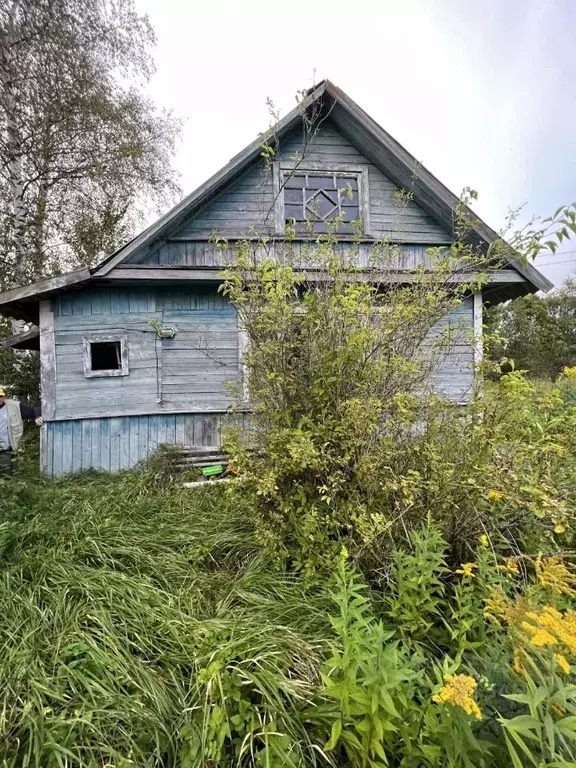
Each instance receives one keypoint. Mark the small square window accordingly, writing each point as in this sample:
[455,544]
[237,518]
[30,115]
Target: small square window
[105,356]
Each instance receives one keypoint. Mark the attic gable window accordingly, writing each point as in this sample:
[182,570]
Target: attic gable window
[313,200]
[105,356]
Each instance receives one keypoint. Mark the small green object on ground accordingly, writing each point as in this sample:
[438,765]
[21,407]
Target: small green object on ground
[215,469]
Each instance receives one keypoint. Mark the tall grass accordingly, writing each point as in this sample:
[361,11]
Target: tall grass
[116,596]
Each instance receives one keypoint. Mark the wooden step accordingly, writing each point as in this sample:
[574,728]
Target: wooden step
[192,457]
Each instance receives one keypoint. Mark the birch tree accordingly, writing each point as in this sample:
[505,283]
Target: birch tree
[84,154]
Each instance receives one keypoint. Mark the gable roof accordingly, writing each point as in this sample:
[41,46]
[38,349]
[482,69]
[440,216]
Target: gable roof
[361,130]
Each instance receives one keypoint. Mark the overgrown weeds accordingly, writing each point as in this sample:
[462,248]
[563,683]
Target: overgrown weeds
[119,601]
[142,624]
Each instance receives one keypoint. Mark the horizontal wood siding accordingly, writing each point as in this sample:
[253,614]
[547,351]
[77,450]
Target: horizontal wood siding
[452,345]
[246,206]
[205,254]
[402,223]
[185,373]
[112,444]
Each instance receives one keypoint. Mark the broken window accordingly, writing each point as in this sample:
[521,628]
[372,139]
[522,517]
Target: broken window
[105,357]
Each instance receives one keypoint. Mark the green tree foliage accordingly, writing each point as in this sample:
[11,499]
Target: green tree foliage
[83,150]
[338,371]
[539,332]
[19,370]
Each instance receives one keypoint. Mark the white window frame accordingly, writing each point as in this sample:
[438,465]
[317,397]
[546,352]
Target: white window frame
[124,369]
[359,172]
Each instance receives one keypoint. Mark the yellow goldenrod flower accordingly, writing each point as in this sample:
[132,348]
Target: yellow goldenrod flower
[458,690]
[494,495]
[484,541]
[497,606]
[569,372]
[466,569]
[562,663]
[553,573]
[510,566]
[540,637]
[561,625]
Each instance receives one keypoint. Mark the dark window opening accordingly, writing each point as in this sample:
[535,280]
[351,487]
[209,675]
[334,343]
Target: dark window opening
[105,355]
[312,201]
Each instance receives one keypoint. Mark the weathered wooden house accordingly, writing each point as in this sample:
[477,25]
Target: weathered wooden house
[136,351]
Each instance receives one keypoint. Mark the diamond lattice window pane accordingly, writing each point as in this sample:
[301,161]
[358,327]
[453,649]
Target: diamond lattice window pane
[323,206]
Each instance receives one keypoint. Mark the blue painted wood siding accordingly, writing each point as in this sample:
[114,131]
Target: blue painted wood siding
[187,373]
[452,344]
[188,253]
[249,201]
[247,206]
[116,443]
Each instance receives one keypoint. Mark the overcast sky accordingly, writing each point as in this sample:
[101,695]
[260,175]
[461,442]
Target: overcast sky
[482,92]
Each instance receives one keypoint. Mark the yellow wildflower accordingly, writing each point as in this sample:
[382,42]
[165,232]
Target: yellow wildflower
[466,569]
[510,566]
[494,495]
[539,637]
[559,528]
[497,606]
[562,663]
[561,625]
[458,690]
[553,573]
[569,372]
[484,541]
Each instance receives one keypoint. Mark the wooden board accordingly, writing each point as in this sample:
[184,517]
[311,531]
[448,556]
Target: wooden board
[117,443]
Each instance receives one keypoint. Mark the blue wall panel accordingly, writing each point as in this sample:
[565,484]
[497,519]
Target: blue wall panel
[116,443]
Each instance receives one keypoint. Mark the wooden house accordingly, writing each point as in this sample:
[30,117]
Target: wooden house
[136,351]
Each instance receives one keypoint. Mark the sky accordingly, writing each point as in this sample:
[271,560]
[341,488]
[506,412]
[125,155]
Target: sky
[482,93]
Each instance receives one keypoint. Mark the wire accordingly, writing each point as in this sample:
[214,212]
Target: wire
[552,263]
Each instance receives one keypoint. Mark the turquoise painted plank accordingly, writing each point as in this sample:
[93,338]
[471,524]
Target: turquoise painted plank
[55,428]
[115,423]
[96,303]
[170,429]
[104,433]
[65,437]
[152,434]
[125,442]
[143,441]
[48,449]
[188,429]
[133,427]
[94,443]
[180,429]
[86,444]
[81,304]
[105,302]
[76,446]
[114,301]
[161,422]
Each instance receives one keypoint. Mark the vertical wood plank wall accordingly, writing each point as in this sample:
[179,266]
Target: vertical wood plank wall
[120,442]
